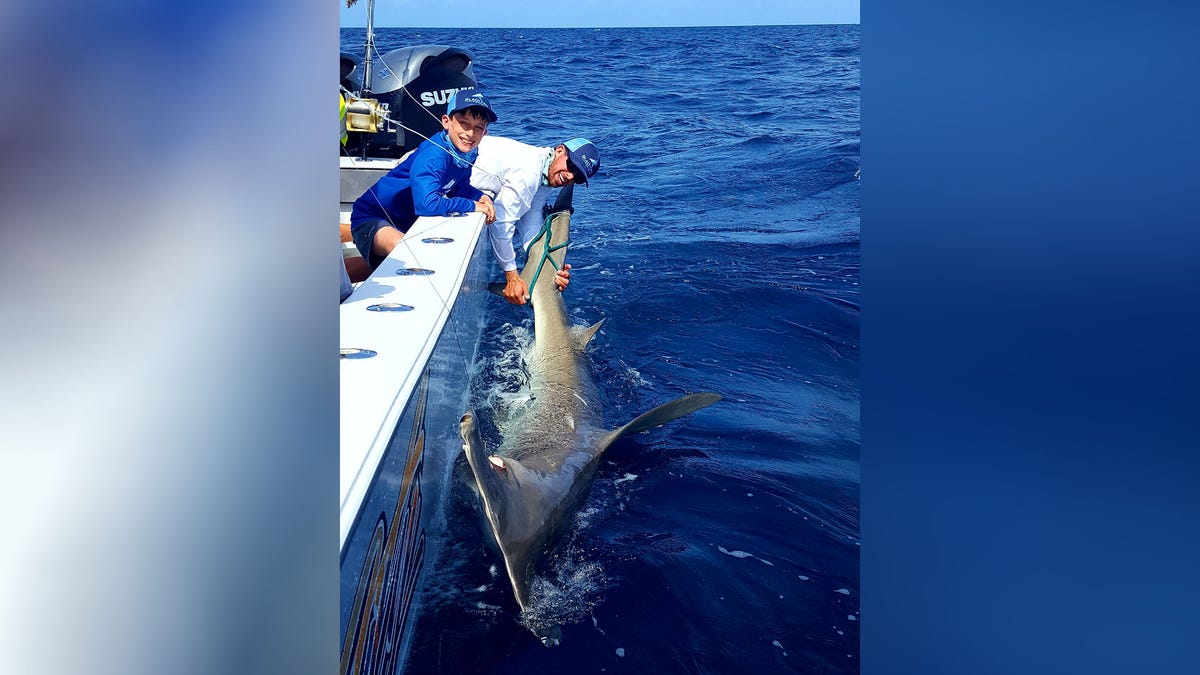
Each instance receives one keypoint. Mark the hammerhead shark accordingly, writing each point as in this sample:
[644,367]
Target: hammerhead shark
[542,473]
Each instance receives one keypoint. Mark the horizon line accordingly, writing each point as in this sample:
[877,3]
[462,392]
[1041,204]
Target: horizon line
[733,25]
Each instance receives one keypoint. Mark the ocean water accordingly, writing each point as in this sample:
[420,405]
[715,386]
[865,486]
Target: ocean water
[720,243]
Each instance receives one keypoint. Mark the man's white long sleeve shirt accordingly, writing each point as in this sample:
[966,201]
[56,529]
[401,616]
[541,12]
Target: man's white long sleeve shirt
[514,174]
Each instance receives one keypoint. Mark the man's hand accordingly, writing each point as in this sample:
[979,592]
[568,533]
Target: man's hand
[485,206]
[515,290]
[562,277]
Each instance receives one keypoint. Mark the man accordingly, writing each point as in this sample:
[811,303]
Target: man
[433,181]
[521,178]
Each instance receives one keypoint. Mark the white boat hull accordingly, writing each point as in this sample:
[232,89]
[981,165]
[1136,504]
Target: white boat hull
[399,433]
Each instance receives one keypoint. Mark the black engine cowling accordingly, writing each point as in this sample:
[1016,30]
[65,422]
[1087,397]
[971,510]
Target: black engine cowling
[415,83]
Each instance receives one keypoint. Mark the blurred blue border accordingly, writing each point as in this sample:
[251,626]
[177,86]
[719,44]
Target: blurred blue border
[1030,333]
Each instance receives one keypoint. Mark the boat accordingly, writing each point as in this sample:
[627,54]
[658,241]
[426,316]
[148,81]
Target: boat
[410,334]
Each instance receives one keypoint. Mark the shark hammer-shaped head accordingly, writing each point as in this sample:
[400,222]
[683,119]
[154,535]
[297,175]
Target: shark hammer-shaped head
[505,486]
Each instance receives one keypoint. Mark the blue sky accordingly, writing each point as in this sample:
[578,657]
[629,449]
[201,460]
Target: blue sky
[599,13]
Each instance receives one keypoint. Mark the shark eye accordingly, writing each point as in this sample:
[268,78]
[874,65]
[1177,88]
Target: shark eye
[497,463]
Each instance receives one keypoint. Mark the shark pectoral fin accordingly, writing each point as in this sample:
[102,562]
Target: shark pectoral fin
[685,405]
[589,333]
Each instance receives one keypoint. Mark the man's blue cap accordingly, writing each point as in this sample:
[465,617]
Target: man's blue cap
[469,98]
[584,156]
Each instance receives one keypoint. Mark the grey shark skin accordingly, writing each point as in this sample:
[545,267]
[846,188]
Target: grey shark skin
[543,472]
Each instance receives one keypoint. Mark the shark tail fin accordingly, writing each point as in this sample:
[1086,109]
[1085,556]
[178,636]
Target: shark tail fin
[664,413]
[562,202]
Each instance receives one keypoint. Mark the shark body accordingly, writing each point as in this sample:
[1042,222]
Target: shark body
[543,471]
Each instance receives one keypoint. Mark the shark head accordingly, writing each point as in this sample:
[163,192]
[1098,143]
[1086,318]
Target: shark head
[506,489]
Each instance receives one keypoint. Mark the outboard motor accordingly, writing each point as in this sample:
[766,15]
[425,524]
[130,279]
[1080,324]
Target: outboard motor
[349,63]
[414,84]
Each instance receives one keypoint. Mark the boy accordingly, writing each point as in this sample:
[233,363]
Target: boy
[433,181]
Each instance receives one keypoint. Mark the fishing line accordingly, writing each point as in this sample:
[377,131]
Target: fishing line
[416,259]
[547,249]
[404,88]
[404,240]
[474,166]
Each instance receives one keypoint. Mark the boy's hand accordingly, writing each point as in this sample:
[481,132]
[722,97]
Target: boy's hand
[484,206]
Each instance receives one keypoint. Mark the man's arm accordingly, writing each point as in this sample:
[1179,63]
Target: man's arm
[511,202]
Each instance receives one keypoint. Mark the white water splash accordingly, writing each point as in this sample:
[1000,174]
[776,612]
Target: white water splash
[776,643]
[634,378]
[515,399]
[567,593]
[621,652]
[584,517]
[743,554]
[843,591]
[628,476]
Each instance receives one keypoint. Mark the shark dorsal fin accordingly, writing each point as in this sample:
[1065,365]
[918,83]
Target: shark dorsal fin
[589,333]
[664,413]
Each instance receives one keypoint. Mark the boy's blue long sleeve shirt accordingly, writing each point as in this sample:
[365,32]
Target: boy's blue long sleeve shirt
[428,183]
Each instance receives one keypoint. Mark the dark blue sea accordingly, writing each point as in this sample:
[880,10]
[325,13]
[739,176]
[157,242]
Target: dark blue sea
[720,243]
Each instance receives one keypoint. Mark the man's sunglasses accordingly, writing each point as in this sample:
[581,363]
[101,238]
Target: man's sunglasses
[578,175]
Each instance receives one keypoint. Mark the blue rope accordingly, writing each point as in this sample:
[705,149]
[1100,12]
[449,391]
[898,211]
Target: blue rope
[547,249]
